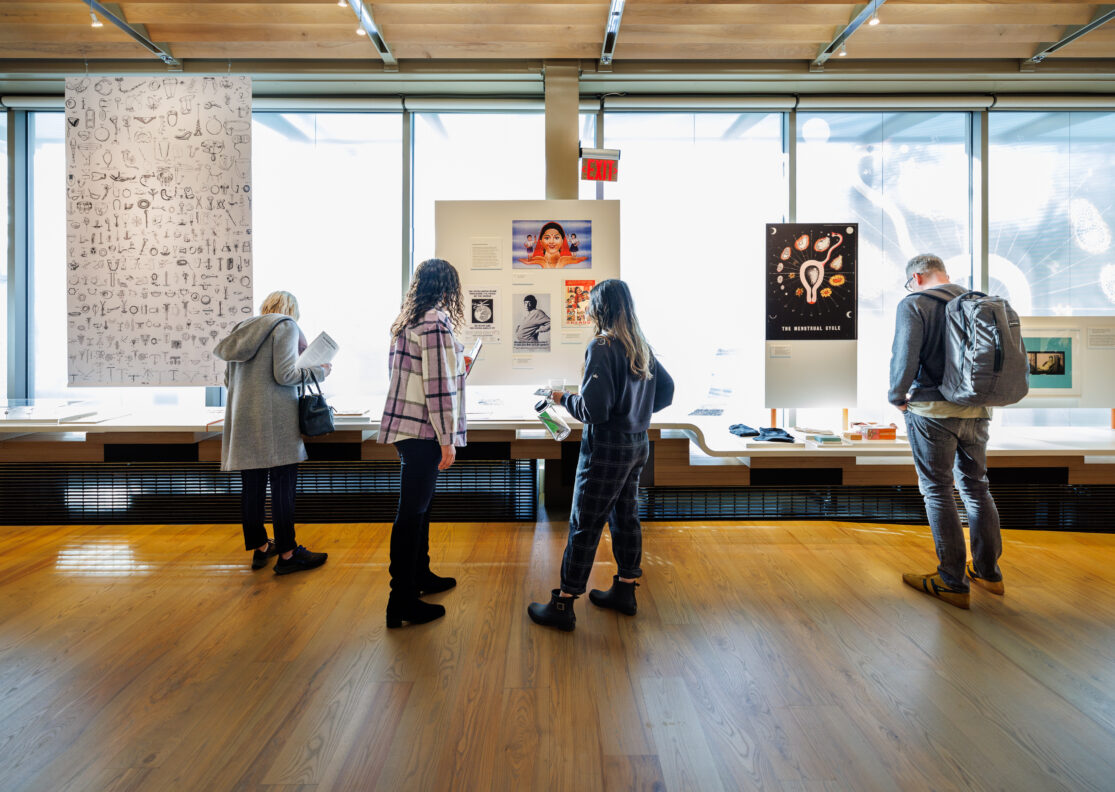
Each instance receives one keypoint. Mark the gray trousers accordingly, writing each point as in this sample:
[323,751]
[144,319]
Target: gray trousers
[942,448]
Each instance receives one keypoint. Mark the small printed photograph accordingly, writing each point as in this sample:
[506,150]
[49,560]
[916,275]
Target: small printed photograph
[551,244]
[1047,363]
[1051,364]
[482,305]
[531,313]
[576,302]
[483,312]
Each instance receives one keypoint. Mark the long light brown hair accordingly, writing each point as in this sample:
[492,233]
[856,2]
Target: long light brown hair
[435,285]
[612,311]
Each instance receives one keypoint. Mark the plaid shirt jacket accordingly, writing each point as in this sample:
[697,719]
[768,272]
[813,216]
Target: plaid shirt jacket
[426,398]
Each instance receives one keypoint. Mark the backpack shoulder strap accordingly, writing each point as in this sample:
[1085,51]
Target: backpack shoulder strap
[942,296]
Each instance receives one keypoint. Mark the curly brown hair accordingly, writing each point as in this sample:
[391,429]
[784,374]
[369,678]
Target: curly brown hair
[435,285]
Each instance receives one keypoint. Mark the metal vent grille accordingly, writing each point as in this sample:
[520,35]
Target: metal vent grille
[148,492]
[1049,507]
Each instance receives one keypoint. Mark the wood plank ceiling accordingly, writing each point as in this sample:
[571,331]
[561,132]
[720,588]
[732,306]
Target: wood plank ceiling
[651,30]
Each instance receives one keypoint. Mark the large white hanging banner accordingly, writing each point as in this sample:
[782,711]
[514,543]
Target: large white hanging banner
[158,225]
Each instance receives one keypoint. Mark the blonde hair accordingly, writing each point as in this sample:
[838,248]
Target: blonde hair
[280,302]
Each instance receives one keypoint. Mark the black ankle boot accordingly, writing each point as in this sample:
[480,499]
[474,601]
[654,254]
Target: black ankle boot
[558,612]
[620,597]
[429,583]
[411,611]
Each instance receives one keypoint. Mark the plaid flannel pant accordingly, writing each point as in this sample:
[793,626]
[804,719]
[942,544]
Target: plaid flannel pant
[605,490]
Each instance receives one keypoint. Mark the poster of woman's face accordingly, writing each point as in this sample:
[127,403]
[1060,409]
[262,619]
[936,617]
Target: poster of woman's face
[551,244]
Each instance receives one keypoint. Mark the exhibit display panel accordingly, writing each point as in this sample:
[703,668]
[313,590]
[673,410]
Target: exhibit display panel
[474,156]
[526,270]
[1072,361]
[327,218]
[1051,215]
[904,178]
[811,315]
[697,190]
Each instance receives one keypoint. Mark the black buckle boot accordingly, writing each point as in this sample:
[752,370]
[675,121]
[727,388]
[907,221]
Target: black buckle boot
[620,597]
[558,612]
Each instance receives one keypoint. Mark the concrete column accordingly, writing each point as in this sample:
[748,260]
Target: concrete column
[562,129]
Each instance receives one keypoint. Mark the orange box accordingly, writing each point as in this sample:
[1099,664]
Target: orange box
[872,431]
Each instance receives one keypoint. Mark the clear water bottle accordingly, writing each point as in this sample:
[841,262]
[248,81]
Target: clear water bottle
[548,415]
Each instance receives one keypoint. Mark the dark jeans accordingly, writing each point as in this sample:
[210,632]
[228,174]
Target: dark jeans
[605,490]
[253,501]
[410,535]
[943,447]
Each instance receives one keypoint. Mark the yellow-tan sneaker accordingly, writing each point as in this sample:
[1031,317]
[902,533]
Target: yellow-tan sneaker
[932,585]
[994,586]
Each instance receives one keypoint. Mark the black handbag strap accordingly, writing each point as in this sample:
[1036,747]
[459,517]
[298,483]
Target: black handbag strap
[313,379]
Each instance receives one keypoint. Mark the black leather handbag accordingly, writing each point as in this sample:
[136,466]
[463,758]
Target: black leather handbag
[315,417]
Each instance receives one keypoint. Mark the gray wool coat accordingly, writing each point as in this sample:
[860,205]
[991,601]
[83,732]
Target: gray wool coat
[261,411]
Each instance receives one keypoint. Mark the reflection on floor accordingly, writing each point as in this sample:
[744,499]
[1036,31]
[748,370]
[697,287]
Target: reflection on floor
[764,656]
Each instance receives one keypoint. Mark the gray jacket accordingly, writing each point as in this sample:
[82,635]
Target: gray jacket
[261,412]
[917,358]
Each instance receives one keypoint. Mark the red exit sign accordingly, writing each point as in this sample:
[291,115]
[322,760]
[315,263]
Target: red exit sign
[599,169]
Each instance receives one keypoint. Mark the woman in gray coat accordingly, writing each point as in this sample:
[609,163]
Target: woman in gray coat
[261,437]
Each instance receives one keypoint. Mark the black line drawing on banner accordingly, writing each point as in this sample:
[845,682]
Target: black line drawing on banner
[133,165]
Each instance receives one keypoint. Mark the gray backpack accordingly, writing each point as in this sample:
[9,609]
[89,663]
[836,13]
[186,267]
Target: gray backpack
[985,360]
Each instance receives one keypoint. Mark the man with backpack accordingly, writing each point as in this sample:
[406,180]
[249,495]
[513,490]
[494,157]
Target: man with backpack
[926,384]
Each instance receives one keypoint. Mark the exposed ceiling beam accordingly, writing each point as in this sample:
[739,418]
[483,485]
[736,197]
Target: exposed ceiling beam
[368,24]
[116,18]
[861,18]
[1104,14]
[611,33]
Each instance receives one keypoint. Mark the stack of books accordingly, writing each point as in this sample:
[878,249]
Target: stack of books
[824,440]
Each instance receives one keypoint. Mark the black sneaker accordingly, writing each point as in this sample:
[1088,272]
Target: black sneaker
[302,559]
[259,557]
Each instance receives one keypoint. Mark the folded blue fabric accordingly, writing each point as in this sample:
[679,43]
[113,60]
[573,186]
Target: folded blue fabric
[743,430]
[772,434]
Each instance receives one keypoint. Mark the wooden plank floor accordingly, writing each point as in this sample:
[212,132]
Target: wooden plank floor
[782,656]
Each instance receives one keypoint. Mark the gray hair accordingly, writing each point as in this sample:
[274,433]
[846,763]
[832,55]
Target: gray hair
[925,263]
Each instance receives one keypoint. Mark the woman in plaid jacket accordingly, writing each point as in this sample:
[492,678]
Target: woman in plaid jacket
[623,385]
[424,418]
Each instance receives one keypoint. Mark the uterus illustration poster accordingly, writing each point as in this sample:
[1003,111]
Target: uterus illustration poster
[551,244]
[811,281]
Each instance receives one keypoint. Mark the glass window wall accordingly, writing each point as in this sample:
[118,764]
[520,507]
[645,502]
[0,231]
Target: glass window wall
[474,157]
[4,246]
[1051,213]
[696,190]
[905,178]
[327,227]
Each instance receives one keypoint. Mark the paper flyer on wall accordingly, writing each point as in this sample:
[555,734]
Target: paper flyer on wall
[551,244]
[531,316]
[486,253]
[484,314]
[576,302]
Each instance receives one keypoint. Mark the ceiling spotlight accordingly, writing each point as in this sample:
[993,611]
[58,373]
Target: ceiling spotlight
[96,22]
[361,32]
[342,3]
[843,49]
[874,18]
